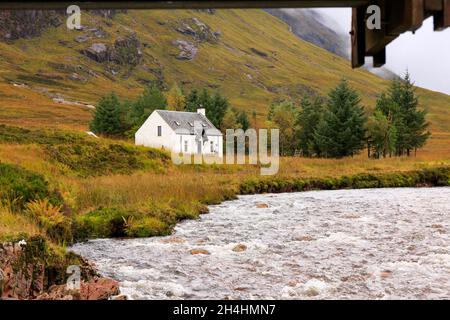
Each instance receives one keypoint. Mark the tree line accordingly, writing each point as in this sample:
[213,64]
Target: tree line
[333,127]
[338,126]
[117,117]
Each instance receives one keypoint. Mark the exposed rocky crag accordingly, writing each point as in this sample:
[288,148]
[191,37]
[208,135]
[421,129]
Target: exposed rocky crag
[125,51]
[198,30]
[311,26]
[30,269]
[18,24]
[95,289]
[308,25]
[99,52]
[188,50]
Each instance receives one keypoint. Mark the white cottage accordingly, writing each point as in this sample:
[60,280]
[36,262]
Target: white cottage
[182,132]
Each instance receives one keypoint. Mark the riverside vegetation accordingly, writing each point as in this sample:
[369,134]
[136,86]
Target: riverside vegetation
[58,185]
[71,187]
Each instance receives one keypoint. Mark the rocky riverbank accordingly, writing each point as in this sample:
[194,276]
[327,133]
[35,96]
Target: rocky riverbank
[31,269]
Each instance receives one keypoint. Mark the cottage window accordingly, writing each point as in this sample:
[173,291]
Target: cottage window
[159,131]
[212,146]
[185,146]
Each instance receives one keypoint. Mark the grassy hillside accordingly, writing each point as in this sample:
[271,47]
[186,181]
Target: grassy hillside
[254,60]
[61,185]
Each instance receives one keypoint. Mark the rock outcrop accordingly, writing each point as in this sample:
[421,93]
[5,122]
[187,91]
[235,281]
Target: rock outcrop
[125,51]
[22,270]
[17,24]
[29,269]
[198,30]
[240,248]
[99,52]
[188,50]
[95,289]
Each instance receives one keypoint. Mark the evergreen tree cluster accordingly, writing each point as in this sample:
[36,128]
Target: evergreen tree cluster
[397,126]
[339,127]
[114,117]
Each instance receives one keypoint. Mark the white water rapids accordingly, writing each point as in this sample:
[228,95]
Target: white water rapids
[349,244]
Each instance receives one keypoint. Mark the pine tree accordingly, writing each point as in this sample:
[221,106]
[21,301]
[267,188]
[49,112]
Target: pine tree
[402,104]
[150,100]
[138,111]
[108,116]
[413,118]
[307,122]
[341,131]
[193,101]
[243,120]
[382,135]
[216,109]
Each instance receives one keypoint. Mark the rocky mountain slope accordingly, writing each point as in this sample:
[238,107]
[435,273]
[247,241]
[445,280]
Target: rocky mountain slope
[310,25]
[51,76]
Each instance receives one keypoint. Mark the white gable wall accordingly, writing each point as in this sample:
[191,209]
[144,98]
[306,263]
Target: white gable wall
[147,135]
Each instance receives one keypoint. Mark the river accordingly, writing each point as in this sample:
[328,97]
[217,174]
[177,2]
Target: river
[347,244]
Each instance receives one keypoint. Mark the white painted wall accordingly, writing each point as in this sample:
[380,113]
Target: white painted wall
[147,136]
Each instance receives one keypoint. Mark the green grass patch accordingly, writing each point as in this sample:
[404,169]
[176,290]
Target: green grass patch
[19,186]
[157,219]
[429,177]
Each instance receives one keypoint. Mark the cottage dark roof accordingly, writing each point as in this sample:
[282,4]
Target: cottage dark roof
[184,122]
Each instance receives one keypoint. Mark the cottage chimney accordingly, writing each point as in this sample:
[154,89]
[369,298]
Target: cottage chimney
[202,111]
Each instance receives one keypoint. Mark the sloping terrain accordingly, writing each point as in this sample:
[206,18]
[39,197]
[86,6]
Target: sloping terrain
[310,26]
[54,78]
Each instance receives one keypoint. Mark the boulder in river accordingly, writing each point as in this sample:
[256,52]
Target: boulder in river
[199,251]
[174,240]
[240,248]
[303,238]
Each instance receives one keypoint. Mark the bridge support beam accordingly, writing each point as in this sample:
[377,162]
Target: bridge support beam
[397,17]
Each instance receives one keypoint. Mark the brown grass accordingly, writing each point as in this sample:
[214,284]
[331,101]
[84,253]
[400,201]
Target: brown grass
[190,183]
[13,225]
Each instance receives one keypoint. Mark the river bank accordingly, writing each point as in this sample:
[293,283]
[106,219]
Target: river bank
[52,271]
[67,187]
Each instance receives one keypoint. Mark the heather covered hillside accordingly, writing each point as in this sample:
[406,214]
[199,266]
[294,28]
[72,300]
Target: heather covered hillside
[51,76]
